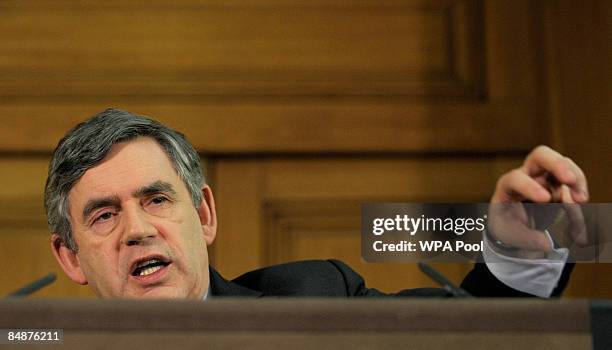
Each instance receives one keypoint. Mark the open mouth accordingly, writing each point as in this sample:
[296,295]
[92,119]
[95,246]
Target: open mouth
[148,266]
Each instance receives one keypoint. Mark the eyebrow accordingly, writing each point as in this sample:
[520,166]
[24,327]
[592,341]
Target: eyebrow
[156,187]
[94,204]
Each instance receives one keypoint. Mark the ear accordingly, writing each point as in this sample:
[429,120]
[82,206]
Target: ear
[68,260]
[208,215]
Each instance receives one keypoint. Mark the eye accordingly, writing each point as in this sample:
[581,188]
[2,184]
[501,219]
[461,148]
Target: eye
[158,205]
[104,217]
[159,200]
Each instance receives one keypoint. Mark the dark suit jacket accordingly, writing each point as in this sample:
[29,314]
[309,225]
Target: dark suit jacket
[333,278]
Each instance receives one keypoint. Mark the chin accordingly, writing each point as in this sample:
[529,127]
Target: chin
[162,293]
[153,293]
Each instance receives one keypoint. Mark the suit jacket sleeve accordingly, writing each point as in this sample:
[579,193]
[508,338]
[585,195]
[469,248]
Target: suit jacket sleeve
[479,282]
[333,278]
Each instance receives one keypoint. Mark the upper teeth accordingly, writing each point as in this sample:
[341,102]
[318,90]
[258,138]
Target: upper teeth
[147,262]
[143,270]
[150,270]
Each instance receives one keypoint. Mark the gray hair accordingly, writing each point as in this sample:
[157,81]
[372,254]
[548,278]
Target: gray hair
[88,143]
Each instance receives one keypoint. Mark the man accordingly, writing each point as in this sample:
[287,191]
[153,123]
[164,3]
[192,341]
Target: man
[131,216]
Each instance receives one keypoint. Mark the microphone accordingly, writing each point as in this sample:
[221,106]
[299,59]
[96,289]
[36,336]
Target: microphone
[33,287]
[444,282]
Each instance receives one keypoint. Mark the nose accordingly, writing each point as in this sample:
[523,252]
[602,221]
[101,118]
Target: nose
[138,229]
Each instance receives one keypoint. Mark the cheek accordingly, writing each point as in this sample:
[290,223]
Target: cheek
[188,228]
[193,244]
[99,266]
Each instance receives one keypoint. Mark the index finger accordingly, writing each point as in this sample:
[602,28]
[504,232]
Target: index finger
[543,159]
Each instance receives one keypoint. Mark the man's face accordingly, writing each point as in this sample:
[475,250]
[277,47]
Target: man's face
[137,230]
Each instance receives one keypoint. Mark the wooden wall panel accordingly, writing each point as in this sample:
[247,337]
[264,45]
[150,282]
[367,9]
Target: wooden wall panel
[382,76]
[25,251]
[261,48]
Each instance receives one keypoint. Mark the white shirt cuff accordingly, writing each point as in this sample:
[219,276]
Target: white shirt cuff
[534,276]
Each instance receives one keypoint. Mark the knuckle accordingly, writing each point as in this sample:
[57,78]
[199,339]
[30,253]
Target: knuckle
[537,152]
[541,148]
[564,162]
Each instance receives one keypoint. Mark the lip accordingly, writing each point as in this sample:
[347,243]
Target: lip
[155,276]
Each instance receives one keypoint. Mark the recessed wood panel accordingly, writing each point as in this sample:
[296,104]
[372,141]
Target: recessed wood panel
[331,230]
[258,48]
[278,76]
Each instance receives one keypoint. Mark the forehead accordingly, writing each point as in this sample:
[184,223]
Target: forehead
[127,167]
